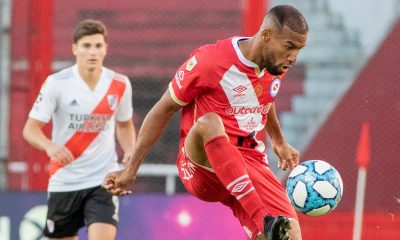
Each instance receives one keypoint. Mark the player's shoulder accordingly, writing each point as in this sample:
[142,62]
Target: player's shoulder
[210,54]
[54,80]
[113,75]
[62,75]
[215,48]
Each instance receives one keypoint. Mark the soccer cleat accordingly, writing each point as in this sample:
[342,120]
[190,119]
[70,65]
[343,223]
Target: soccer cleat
[276,228]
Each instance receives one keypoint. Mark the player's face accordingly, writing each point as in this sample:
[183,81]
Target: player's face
[90,52]
[281,50]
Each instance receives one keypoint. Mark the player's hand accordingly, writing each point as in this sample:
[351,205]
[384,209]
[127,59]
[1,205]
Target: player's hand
[61,155]
[119,182]
[295,156]
[288,156]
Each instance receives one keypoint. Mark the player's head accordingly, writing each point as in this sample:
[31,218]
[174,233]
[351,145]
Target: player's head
[90,44]
[282,34]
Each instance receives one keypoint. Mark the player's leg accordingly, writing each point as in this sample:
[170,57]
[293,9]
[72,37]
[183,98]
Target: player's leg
[273,195]
[101,231]
[64,215]
[249,226]
[295,231]
[208,145]
[101,214]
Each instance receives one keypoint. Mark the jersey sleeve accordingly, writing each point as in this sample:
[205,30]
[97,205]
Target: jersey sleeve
[125,110]
[46,101]
[192,78]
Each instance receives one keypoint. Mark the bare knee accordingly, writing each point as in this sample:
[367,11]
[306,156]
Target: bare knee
[210,125]
[295,231]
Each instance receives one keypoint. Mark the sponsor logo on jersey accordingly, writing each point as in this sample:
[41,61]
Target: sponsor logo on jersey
[239,91]
[191,64]
[261,109]
[251,125]
[275,85]
[179,77]
[112,101]
[89,122]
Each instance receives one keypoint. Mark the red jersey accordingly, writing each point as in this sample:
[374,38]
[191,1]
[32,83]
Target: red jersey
[218,78]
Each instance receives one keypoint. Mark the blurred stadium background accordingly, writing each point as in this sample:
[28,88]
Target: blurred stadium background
[347,77]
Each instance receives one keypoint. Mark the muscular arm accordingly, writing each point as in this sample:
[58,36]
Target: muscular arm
[273,127]
[153,126]
[287,155]
[34,135]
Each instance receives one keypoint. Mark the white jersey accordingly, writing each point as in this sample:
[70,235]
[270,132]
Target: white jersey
[83,121]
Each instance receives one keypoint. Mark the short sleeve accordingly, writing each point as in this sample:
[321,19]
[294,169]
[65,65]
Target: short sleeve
[191,78]
[125,110]
[46,101]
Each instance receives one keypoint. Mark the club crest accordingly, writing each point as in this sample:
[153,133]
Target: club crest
[275,85]
[112,101]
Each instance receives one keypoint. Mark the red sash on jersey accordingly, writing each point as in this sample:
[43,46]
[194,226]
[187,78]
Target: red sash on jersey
[79,141]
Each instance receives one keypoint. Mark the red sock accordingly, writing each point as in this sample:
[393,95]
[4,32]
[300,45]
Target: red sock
[230,168]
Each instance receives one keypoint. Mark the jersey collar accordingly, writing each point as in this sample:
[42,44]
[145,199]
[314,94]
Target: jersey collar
[242,58]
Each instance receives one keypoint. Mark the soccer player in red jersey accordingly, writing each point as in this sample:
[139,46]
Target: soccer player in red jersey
[227,91]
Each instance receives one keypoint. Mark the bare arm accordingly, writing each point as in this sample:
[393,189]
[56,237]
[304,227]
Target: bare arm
[153,126]
[34,135]
[273,127]
[287,155]
[126,135]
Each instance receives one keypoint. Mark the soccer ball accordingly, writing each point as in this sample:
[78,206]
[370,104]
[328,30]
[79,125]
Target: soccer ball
[314,187]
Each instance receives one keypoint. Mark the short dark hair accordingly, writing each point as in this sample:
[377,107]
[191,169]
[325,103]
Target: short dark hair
[89,27]
[286,15]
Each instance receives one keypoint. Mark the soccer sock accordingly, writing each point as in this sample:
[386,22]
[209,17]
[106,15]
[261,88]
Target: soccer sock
[230,168]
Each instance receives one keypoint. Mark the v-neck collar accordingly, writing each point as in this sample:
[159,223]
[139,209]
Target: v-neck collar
[243,59]
[83,82]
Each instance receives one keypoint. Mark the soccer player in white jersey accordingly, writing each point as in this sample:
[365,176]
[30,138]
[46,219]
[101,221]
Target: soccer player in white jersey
[86,103]
[227,91]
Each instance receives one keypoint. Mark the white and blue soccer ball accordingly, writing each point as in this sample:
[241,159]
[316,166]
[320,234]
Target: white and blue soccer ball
[314,187]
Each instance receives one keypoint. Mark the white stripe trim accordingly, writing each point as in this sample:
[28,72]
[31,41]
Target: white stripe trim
[242,58]
[174,97]
[248,122]
[244,194]
[236,180]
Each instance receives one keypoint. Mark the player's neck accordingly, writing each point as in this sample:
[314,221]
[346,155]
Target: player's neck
[90,76]
[248,50]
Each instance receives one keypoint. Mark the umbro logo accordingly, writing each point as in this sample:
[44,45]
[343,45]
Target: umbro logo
[74,103]
[239,91]
[240,187]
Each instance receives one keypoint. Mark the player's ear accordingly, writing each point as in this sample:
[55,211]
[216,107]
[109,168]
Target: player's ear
[74,49]
[266,34]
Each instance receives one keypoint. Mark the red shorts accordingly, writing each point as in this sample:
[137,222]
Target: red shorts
[202,182]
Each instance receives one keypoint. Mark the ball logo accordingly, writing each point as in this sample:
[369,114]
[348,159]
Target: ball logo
[31,227]
[275,85]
